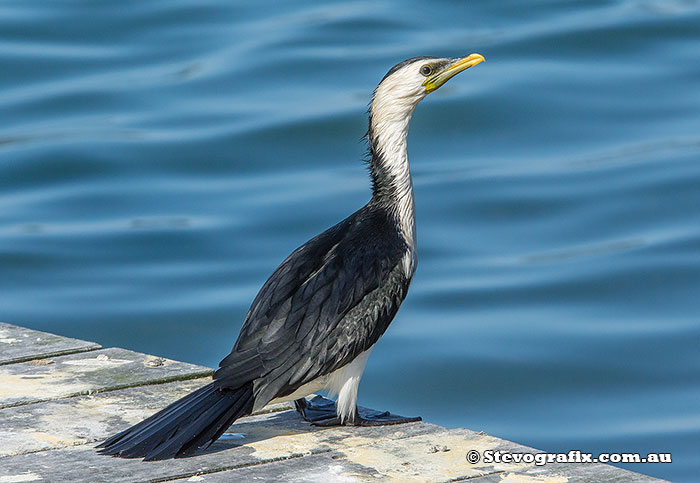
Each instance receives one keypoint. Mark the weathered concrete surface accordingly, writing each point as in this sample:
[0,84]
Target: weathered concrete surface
[336,467]
[89,419]
[568,473]
[53,410]
[269,437]
[18,344]
[84,419]
[88,372]
[279,447]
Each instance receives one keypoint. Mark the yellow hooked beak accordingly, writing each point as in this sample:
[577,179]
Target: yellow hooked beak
[450,70]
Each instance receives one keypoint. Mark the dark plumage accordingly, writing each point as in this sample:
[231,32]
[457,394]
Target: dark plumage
[329,301]
[319,314]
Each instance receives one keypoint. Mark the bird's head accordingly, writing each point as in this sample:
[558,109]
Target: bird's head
[408,82]
[417,77]
[394,100]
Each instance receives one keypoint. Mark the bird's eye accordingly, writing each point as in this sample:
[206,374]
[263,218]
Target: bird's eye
[426,70]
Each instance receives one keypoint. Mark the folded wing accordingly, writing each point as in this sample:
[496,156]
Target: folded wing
[329,301]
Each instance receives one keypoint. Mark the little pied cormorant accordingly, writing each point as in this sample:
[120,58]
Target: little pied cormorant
[315,321]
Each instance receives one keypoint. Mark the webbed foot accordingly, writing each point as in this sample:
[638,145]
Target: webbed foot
[322,412]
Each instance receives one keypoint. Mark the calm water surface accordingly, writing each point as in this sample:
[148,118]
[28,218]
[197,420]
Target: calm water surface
[159,159]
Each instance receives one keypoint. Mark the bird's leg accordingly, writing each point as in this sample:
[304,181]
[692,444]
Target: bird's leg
[322,412]
[316,410]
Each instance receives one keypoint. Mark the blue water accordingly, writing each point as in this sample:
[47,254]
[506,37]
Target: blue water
[159,159]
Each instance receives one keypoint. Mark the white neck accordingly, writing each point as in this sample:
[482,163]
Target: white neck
[391,175]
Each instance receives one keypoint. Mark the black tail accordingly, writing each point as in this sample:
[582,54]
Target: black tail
[188,424]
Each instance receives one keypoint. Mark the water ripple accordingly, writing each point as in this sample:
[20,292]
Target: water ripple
[159,159]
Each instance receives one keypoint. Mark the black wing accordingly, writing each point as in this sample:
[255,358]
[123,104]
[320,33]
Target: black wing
[329,301]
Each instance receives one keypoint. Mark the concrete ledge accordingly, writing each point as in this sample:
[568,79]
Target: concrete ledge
[53,409]
[18,344]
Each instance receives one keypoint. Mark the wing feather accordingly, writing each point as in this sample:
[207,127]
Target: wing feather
[330,300]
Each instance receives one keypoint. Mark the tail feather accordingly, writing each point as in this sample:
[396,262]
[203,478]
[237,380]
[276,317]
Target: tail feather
[160,421]
[193,422]
[149,426]
[219,426]
[193,436]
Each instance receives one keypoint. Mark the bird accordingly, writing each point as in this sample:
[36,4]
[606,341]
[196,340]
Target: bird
[315,321]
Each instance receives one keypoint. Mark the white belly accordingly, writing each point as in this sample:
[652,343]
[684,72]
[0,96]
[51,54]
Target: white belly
[343,382]
[305,390]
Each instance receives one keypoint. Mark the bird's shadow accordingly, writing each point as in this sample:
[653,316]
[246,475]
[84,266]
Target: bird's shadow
[258,428]
[247,431]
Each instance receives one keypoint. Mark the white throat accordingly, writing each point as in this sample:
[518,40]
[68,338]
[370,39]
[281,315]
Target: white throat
[393,104]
